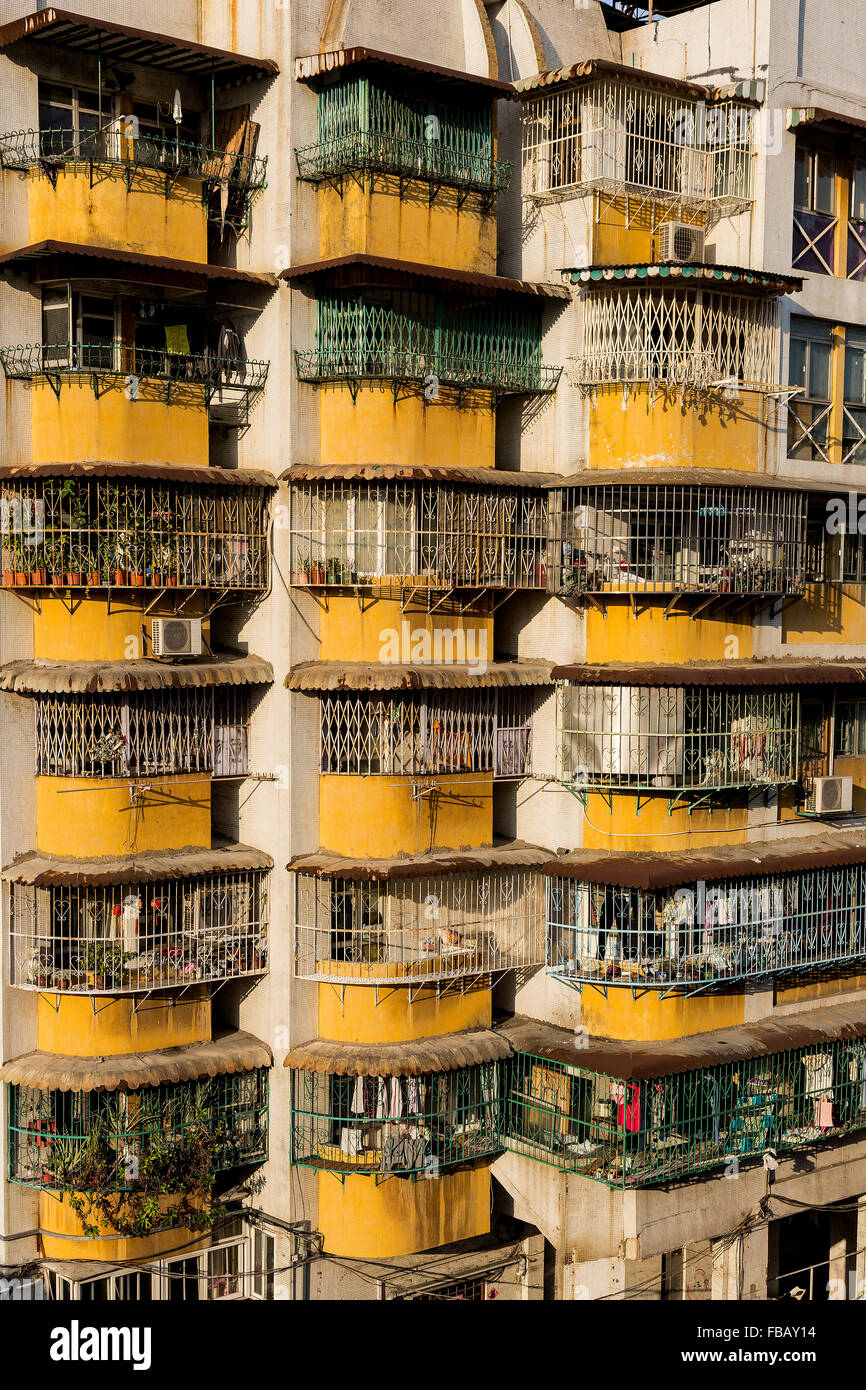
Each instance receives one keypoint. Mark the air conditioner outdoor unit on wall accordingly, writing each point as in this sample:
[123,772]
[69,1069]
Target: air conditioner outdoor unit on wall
[176,637]
[680,242]
[832,796]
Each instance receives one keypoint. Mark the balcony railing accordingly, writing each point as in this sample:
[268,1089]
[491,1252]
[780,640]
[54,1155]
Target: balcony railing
[101,532]
[379,152]
[86,1140]
[431,928]
[396,1124]
[134,937]
[459,372]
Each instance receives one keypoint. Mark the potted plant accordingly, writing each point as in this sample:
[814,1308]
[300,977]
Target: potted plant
[54,558]
[37,567]
[19,563]
[318,573]
[121,557]
[302,573]
[92,567]
[73,574]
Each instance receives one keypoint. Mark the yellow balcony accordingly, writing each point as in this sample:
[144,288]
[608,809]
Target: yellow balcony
[361,1218]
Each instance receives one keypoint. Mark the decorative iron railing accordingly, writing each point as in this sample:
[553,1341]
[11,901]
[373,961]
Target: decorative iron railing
[133,937]
[396,1124]
[104,532]
[427,161]
[462,373]
[81,1140]
[434,928]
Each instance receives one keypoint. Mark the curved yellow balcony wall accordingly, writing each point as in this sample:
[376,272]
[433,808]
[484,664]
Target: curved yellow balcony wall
[383,632]
[360,1017]
[362,1218]
[823,987]
[374,427]
[141,219]
[377,816]
[856,769]
[93,631]
[78,426]
[411,227]
[616,821]
[665,430]
[71,1026]
[62,1240]
[621,634]
[651,1018]
[827,614]
[85,817]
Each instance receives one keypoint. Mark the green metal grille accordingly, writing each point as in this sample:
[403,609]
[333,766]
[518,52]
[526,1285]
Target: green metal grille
[363,126]
[54,1135]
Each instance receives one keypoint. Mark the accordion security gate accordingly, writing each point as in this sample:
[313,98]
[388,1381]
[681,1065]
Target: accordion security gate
[132,937]
[693,937]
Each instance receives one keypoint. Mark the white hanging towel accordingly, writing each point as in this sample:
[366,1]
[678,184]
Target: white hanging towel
[395,1108]
[357,1106]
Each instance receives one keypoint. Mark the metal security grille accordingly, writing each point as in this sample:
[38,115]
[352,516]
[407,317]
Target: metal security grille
[364,126]
[157,731]
[135,937]
[627,139]
[100,532]
[55,1136]
[427,733]
[705,933]
[346,532]
[407,336]
[668,539]
[395,1124]
[435,928]
[640,1133]
[689,738]
[683,337]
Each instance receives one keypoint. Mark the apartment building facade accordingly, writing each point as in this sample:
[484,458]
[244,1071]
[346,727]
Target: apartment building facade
[431,650]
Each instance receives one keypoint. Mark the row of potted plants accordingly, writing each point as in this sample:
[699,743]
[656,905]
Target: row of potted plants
[59,563]
[334,570]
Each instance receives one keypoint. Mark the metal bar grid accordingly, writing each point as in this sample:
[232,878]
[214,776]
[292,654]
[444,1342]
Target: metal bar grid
[135,937]
[659,738]
[391,1124]
[652,538]
[144,733]
[659,1130]
[100,532]
[623,138]
[426,733]
[684,337]
[347,532]
[55,1136]
[706,933]
[439,927]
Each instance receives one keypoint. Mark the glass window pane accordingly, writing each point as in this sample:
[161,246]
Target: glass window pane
[819,372]
[855,360]
[858,193]
[801,178]
[824,190]
[797,363]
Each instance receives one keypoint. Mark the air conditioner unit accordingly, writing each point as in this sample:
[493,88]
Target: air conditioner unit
[832,796]
[176,637]
[678,241]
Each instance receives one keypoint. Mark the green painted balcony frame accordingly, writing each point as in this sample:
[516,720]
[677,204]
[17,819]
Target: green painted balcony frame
[55,1136]
[396,1125]
[368,127]
[424,340]
[658,1129]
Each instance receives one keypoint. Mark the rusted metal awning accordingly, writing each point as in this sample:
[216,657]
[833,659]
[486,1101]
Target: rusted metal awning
[439,862]
[819,117]
[108,677]
[70,260]
[703,275]
[314,677]
[78,34]
[774,671]
[416,473]
[158,472]
[631,1060]
[621,72]
[318,68]
[52,871]
[639,475]
[360,269]
[641,869]
[129,1071]
[444,1053]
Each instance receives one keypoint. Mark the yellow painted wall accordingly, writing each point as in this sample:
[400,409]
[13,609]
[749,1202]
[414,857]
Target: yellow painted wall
[650,636]
[92,631]
[358,1017]
[143,219]
[78,427]
[649,1017]
[376,816]
[624,227]
[824,987]
[855,768]
[345,632]
[85,817]
[668,431]
[364,1219]
[407,228]
[61,1236]
[373,429]
[653,829]
[829,613]
[108,1027]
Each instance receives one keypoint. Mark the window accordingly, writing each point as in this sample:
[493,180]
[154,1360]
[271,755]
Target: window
[263,1265]
[87,321]
[854,412]
[851,729]
[810,355]
[68,120]
[815,214]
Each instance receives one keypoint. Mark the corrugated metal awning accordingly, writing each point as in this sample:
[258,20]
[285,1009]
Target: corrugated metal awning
[314,677]
[604,67]
[52,871]
[129,1071]
[79,33]
[75,259]
[416,472]
[352,270]
[641,475]
[773,671]
[642,869]
[108,677]
[703,275]
[317,68]
[159,472]
[835,122]
[441,862]
[444,1053]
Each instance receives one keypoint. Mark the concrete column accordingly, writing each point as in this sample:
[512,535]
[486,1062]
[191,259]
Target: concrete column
[740,1267]
[843,1243]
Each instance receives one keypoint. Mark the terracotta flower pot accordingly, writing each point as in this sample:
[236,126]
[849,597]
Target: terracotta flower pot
[93,578]
[57,580]
[136,580]
[8,578]
[73,578]
[37,577]
[120,577]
